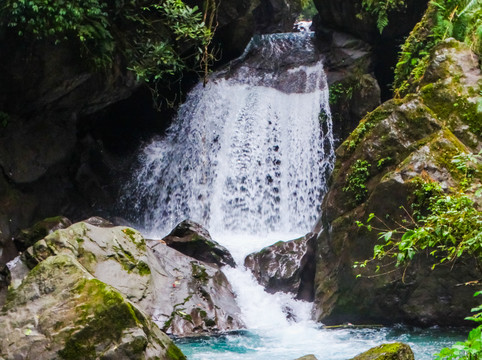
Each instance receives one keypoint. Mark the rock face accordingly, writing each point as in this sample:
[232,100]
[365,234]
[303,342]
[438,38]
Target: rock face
[193,240]
[350,17]
[396,351]
[61,312]
[354,91]
[239,21]
[286,266]
[183,295]
[412,138]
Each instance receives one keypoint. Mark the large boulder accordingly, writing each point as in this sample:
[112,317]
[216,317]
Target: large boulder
[402,141]
[193,240]
[286,266]
[183,295]
[395,351]
[60,311]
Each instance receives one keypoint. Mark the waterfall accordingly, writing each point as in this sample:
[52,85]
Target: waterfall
[249,153]
[248,157]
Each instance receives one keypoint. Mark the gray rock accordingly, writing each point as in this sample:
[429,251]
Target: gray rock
[191,297]
[183,295]
[61,311]
[286,266]
[193,240]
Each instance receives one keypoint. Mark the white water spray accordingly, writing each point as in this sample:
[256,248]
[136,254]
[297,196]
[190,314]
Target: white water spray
[247,153]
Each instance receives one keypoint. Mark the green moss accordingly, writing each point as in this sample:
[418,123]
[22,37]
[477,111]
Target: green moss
[102,317]
[442,20]
[143,268]
[368,123]
[356,181]
[174,353]
[136,238]
[199,272]
[395,351]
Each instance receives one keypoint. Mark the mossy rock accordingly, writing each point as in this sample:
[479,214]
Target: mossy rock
[61,311]
[27,237]
[395,351]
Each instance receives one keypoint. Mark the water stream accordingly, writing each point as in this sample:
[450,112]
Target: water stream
[248,157]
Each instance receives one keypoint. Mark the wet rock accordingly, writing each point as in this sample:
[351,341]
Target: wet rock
[191,297]
[286,266]
[395,351]
[307,357]
[239,21]
[27,237]
[193,240]
[354,90]
[99,222]
[183,295]
[61,311]
[402,140]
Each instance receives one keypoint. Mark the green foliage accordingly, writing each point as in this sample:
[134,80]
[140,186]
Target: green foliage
[155,38]
[381,9]
[356,180]
[471,349]
[339,91]
[446,226]
[308,11]
[4,119]
[461,19]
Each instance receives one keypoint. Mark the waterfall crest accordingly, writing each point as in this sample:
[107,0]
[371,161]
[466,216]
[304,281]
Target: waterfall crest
[249,152]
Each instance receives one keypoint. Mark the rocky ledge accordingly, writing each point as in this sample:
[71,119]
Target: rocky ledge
[103,290]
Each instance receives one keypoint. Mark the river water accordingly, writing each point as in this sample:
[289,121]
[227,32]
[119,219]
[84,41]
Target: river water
[248,157]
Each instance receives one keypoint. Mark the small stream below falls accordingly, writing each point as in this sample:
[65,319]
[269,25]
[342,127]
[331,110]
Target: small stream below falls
[248,157]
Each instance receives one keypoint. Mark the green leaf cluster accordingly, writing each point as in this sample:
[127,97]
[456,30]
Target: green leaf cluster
[460,19]
[157,39]
[356,180]
[471,349]
[381,9]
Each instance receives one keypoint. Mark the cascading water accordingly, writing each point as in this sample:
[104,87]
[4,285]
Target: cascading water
[248,157]
[247,152]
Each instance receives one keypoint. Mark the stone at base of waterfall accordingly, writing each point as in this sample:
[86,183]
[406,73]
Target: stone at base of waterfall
[307,357]
[286,266]
[61,311]
[184,296]
[395,351]
[193,240]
